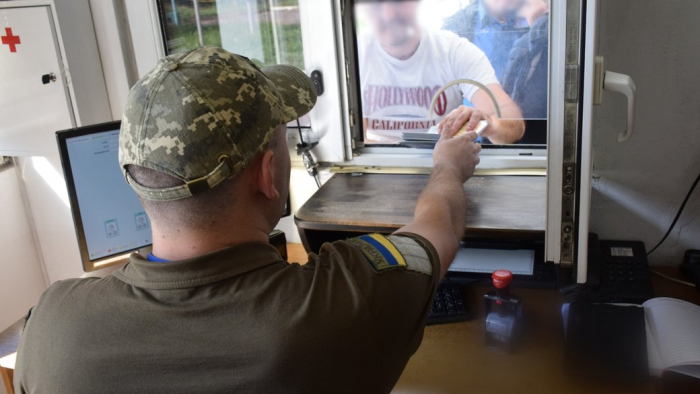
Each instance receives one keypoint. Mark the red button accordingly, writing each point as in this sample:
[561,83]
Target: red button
[501,278]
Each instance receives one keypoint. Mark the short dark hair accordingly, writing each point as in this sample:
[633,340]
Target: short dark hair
[196,211]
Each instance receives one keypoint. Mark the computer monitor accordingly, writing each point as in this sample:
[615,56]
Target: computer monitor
[109,219]
[108,216]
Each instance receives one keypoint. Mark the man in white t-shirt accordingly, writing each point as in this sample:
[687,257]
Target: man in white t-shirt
[402,67]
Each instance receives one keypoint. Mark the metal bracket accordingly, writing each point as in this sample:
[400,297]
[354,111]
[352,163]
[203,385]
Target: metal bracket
[572,80]
[571,121]
[5,162]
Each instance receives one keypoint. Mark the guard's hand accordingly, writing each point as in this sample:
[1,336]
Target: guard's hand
[457,154]
[461,115]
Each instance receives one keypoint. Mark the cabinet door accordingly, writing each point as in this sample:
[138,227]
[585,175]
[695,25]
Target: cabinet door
[34,100]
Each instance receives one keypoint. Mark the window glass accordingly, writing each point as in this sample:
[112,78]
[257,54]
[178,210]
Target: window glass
[266,31]
[408,50]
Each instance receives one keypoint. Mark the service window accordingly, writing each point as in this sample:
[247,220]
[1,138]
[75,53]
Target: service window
[493,53]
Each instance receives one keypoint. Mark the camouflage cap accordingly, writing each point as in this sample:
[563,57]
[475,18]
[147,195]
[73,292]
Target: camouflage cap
[202,116]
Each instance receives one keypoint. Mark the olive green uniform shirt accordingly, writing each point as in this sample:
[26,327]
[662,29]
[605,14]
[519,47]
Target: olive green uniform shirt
[237,320]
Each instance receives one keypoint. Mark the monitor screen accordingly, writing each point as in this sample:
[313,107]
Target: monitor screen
[108,216]
[109,219]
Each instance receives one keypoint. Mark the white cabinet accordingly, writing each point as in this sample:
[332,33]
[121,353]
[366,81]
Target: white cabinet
[53,42]
[34,99]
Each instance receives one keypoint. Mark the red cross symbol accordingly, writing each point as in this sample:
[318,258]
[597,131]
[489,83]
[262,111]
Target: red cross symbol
[10,40]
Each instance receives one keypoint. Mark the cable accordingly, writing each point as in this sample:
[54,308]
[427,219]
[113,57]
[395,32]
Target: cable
[299,128]
[470,82]
[301,137]
[655,272]
[304,149]
[678,215]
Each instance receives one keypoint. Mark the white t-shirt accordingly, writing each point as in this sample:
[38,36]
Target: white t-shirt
[396,94]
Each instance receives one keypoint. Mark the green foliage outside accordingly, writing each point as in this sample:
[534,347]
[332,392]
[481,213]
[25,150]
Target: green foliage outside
[184,36]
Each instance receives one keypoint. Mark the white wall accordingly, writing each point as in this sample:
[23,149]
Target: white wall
[115,54]
[643,182]
[50,212]
[22,279]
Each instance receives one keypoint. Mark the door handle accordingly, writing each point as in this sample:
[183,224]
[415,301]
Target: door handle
[615,82]
[621,83]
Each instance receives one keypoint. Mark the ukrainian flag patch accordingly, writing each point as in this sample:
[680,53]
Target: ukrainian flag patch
[380,252]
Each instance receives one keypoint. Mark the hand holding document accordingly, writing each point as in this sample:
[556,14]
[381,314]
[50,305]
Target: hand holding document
[428,140]
[483,124]
[460,154]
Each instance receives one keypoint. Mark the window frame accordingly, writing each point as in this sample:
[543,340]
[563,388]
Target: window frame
[144,20]
[493,156]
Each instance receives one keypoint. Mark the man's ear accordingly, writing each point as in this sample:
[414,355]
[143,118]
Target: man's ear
[266,177]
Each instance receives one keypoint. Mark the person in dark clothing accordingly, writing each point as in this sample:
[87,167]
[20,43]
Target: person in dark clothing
[493,26]
[526,76]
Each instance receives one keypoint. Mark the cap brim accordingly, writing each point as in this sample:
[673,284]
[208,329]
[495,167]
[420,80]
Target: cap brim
[296,89]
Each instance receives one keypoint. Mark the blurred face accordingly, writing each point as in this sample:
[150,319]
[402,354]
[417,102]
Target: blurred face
[532,10]
[502,8]
[394,23]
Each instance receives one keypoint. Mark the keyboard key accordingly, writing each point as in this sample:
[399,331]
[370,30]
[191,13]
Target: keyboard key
[449,305]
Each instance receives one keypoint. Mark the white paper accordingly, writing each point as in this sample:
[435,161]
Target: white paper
[518,262]
[673,325]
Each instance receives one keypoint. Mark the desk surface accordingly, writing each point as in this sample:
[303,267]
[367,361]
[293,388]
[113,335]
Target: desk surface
[453,358]
[9,338]
[498,205]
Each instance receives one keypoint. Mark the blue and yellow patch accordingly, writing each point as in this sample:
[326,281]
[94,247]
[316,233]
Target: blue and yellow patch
[380,252]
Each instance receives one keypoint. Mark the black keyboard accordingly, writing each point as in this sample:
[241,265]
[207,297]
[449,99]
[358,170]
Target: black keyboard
[449,306]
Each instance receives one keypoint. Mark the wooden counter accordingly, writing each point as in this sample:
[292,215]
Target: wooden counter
[498,206]
[9,342]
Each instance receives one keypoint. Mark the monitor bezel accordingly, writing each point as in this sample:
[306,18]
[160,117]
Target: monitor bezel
[62,137]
